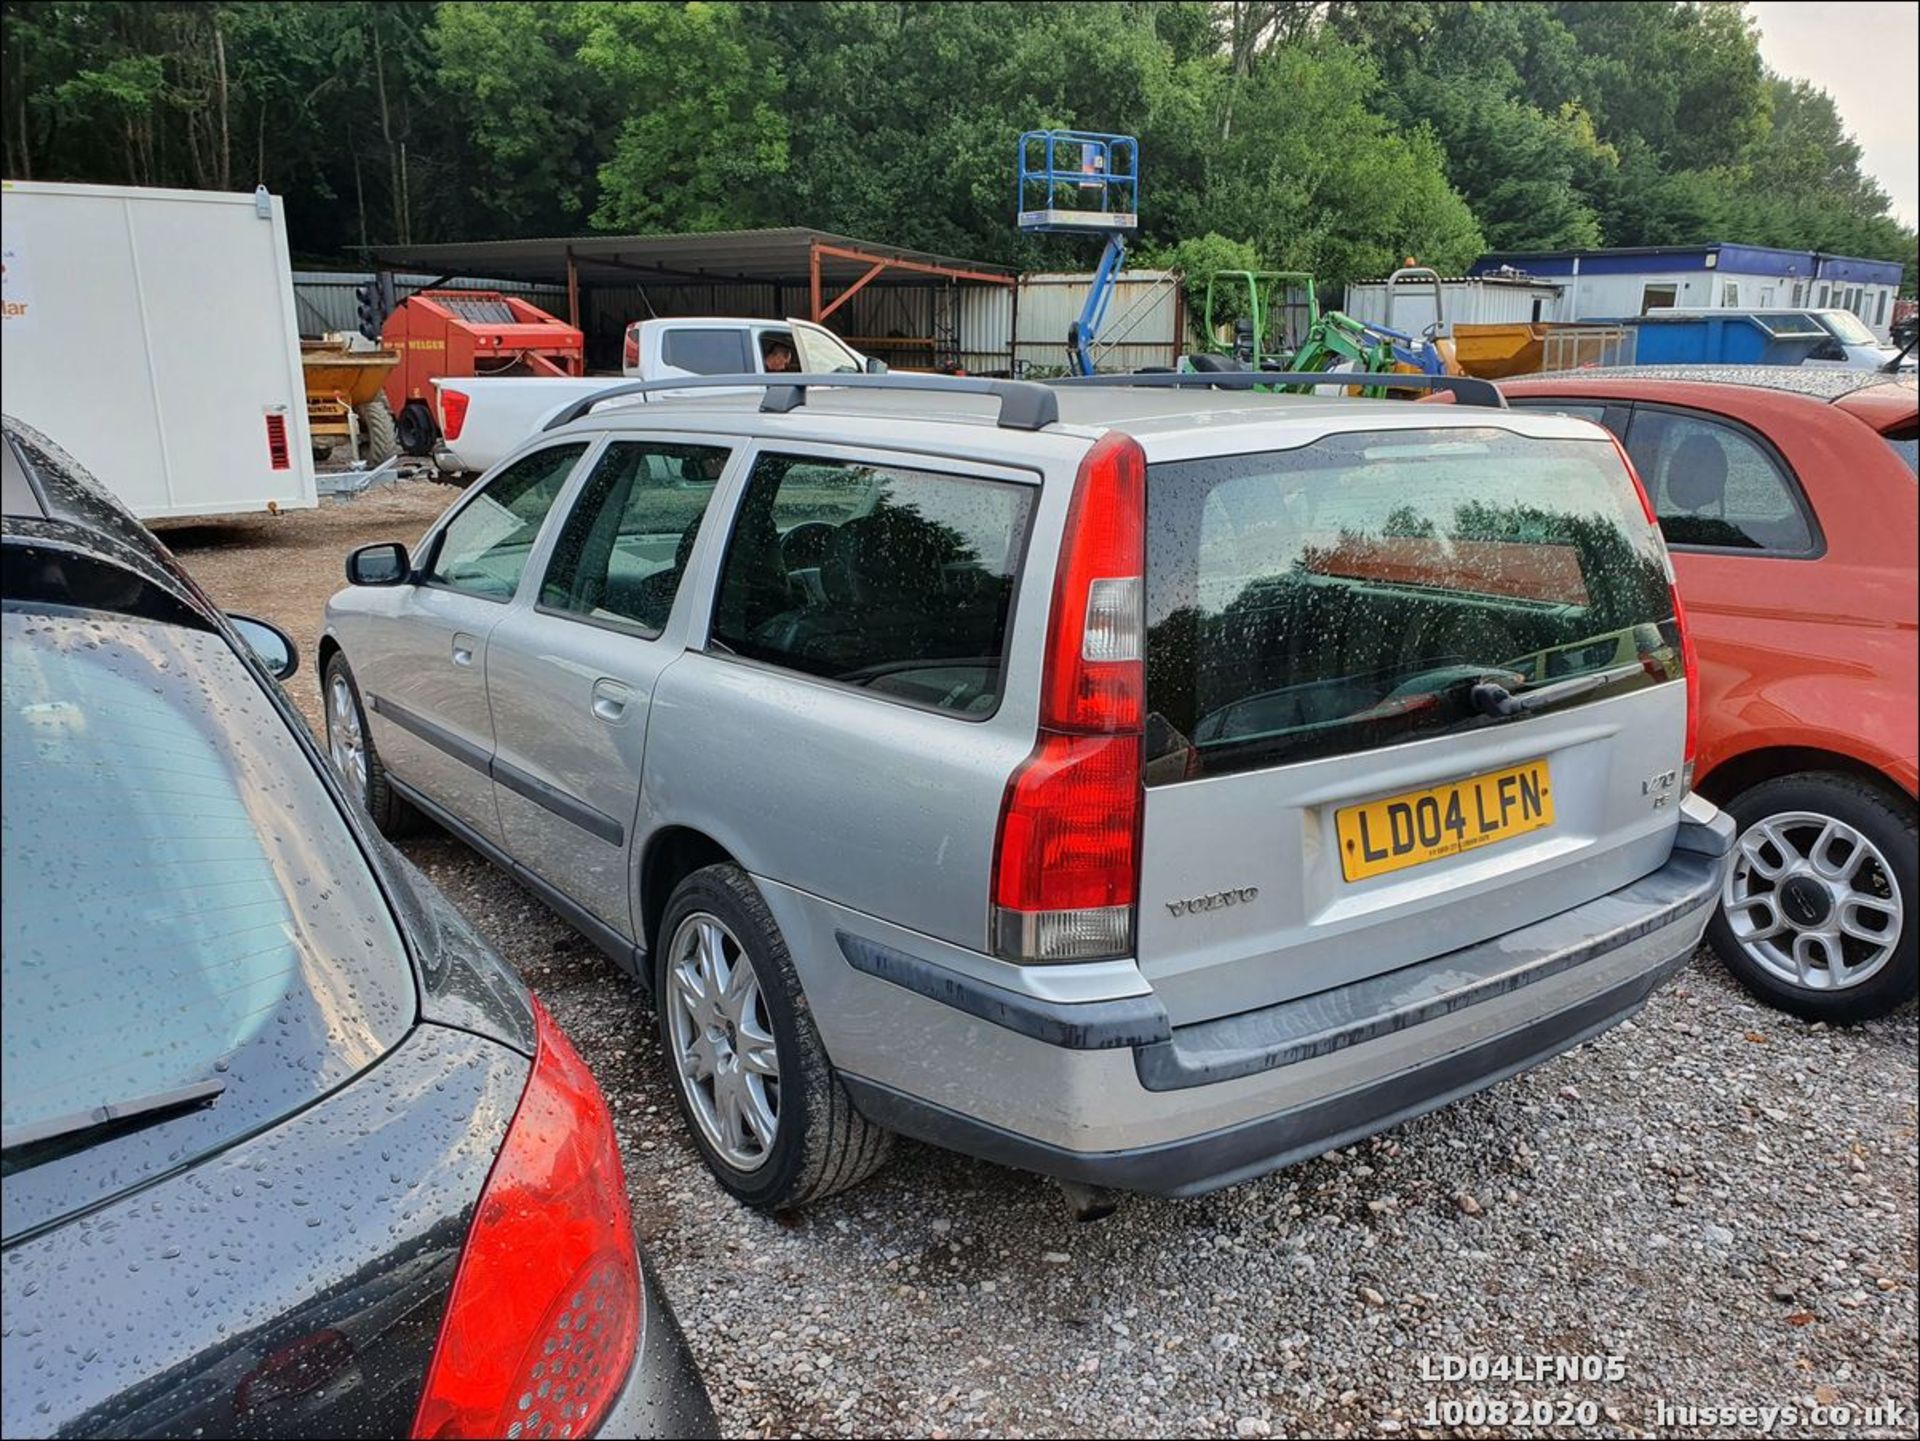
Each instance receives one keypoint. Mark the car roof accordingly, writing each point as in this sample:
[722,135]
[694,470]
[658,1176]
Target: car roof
[1170,422]
[1825,383]
[49,502]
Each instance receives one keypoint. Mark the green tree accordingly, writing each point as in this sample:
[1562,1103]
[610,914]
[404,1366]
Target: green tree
[539,119]
[704,126]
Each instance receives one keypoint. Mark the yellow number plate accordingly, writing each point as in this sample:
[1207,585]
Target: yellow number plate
[1420,826]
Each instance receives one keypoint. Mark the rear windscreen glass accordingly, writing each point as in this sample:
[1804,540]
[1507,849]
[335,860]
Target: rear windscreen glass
[1384,587]
[184,903]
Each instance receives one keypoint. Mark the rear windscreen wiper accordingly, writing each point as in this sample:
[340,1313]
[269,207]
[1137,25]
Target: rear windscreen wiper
[140,1109]
[1492,698]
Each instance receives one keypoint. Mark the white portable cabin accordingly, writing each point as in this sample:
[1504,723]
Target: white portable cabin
[1468,300]
[151,333]
[1620,283]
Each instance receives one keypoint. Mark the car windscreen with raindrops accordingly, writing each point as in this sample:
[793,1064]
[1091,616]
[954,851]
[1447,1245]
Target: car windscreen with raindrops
[1376,588]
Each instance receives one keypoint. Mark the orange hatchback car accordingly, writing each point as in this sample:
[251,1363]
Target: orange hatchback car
[1788,499]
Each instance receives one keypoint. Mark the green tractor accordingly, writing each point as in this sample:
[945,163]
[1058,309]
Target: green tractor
[1282,329]
[1269,313]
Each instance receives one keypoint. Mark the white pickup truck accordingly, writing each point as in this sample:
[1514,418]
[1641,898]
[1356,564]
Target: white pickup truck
[483,418]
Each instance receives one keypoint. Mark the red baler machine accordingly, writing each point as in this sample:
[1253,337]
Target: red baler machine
[441,333]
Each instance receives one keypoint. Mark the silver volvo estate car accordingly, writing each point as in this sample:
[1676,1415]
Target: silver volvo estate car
[1141,785]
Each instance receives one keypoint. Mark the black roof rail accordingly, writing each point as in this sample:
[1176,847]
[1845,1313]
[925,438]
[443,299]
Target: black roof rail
[1467,389]
[1024,405]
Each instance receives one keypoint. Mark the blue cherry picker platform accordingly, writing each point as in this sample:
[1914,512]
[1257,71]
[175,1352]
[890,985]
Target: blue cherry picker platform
[1088,183]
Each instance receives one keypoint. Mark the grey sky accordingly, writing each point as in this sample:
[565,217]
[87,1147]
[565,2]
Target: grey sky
[1862,55]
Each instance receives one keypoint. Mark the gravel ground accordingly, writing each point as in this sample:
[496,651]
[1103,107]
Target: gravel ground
[1722,1196]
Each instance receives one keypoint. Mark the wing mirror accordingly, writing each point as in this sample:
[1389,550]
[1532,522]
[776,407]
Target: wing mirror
[382,564]
[876,367]
[273,647]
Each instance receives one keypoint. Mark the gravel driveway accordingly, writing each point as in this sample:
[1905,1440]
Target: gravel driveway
[1721,1196]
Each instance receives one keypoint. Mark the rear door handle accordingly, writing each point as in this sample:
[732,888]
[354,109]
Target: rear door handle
[610,700]
[463,648]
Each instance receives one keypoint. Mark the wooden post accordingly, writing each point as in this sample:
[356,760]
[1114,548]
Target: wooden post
[813,269]
[573,291]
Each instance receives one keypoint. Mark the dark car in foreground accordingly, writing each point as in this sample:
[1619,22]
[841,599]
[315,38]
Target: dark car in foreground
[288,1151]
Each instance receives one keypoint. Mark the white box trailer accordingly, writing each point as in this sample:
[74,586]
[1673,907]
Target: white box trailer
[152,334]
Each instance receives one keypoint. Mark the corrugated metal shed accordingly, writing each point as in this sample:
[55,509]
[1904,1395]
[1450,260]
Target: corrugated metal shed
[1142,324]
[779,255]
[323,300]
[1468,300]
[788,271]
[897,323]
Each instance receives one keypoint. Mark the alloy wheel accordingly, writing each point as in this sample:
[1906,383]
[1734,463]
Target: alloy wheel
[723,1043]
[1812,901]
[346,743]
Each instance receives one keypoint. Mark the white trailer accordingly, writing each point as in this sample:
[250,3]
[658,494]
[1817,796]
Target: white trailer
[152,334]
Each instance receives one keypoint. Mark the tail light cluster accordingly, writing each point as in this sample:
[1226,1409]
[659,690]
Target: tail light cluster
[1066,873]
[453,412]
[540,1331]
[1689,653]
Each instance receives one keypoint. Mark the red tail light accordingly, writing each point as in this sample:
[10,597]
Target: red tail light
[1689,655]
[630,348]
[540,1330]
[1067,865]
[453,412]
[279,456]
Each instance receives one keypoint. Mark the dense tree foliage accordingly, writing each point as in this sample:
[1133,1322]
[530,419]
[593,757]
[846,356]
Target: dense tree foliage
[1334,137]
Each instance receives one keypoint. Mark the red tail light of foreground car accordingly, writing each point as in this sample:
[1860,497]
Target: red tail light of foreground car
[545,1315]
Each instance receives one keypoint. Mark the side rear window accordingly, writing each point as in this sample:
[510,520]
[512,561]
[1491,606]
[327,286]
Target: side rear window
[1358,592]
[485,547]
[706,351]
[627,540]
[896,580]
[1714,485]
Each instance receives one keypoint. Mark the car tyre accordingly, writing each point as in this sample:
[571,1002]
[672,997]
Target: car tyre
[414,430]
[715,1034]
[351,752]
[1797,809]
[377,439]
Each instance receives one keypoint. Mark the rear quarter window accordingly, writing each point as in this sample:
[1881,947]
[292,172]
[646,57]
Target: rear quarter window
[1350,594]
[706,351]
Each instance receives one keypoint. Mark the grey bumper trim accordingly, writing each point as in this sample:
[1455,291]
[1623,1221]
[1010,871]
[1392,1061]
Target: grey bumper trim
[1317,1025]
[1197,1164]
[1076,1025]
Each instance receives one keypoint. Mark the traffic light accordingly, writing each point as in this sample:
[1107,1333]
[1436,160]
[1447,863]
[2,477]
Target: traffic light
[366,299]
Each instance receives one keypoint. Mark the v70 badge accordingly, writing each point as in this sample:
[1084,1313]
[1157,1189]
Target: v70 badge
[1660,787]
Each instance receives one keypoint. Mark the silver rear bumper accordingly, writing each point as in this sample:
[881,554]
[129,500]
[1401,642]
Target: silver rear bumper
[1107,1093]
